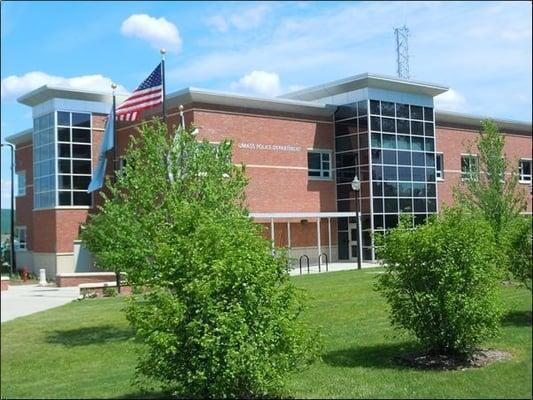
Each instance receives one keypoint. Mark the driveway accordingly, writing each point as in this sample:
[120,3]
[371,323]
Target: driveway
[22,300]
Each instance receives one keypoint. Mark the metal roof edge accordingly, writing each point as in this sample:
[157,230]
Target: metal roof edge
[475,120]
[39,95]
[19,137]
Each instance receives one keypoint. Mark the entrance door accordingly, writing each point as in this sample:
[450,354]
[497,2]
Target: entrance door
[352,241]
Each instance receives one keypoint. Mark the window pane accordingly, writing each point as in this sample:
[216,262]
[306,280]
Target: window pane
[419,189]
[429,129]
[417,143]
[404,142]
[390,174]
[391,205]
[64,166]
[417,128]
[346,160]
[432,205]
[361,108]
[80,182]
[346,143]
[378,221]
[430,159]
[403,125]
[81,167]
[405,189]
[419,205]
[402,110]
[378,205]
[418,159]
[345,174]
[313,160]
[81,120]
[375,123]
[377,188]
[404,158]
[416,112]
[363,124]
[430,144]
[430,174]
[376,139]
[388,125]
[81,198]
[377,173]
[374,107]
[428,113]
[389,141]
[63,150]
[63,134]
[387,109]
[406,205]
[64,181]
[389,157]
[81,135]
[419,174]
[391,221]
[390,189]
[64,199]
[81,151]
[63,118]
[376,157]
[431,190]
[404,173]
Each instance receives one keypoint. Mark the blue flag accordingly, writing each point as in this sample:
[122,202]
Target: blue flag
[107,144]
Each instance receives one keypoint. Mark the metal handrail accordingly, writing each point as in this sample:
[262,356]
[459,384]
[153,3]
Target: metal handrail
[307,258]
[319,258]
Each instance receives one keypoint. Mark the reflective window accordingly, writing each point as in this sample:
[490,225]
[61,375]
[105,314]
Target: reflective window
[374,107]
[469,166]
[402,110]
[525,170]
[319,164]
[416,112]
[439,159]
[387,109]
[21,183]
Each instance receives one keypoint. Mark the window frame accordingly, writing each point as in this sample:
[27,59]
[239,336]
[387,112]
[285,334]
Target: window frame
[321,170]
[21,189]
[465,175]
[18,230]
[520,175]
[439,174]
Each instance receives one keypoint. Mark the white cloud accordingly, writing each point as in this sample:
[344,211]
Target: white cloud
[240,19]
[14,86]
[259,83]
[158,32]
[451,101]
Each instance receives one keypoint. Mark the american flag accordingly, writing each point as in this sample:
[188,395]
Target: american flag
[149,94]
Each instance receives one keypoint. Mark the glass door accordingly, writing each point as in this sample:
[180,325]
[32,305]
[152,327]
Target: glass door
[352,232]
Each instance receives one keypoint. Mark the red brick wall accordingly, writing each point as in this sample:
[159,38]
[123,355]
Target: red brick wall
[453,142]
[68,281]
[24,204]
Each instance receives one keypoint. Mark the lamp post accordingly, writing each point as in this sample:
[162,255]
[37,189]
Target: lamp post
[356,187]
[12,245]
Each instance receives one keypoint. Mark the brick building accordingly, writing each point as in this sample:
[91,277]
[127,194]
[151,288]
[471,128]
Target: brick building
[302,151]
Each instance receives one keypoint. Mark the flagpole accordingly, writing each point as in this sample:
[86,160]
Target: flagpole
[115,142]
[163,51]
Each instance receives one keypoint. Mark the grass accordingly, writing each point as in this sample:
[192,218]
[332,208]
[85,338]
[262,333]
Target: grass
[86,349]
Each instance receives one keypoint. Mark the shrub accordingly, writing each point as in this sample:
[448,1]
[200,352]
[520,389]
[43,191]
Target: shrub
[518,247]
[441,281]
[109,292]
[219,316]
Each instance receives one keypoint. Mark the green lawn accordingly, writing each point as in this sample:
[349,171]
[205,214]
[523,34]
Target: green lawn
[84,349]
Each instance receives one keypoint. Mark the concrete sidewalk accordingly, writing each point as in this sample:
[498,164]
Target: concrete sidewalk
[20,300]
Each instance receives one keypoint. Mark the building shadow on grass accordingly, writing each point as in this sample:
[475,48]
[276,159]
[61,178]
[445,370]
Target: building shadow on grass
[517,318]
[376,356]
[146,395]
[90,335]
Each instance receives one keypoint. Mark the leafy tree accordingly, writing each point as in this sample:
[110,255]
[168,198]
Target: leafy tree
[499,200]
[218,313]
[517,242]
[441,281]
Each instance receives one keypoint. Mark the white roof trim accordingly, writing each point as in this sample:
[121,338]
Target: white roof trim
[475,121]
[47,92]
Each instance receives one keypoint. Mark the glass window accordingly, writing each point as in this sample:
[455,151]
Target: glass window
[439,160]
[391,221]
[376,157]
[375,123]
[428,113]
[429,130]
[416,112]
[63,134]
[389,157]
[81,198]
[431,190]
[419,189]
[390,189]
[65,198]
[64,150]
[81,167]
[64,166]
[403,126]
[64,181]
[345,143]
[346,160]
[376,139]
[417,143]
[430,174]
[389,141]
[346,111]
[390,174]
[318,164]
[418,159]
[430,159]
[387,109]
[63,118]
[419,205]
[404,158]
[525,170]
[378,204]
[419,174]
[81,120]
[81,151]
[469,166]
[402,110]
[374,107]
[404,173]
[21,183]
[378,221]
[377,173]
[432,205]
[405,189]
[406,205]
[430,144]
[391,205]
[21,238]
[404,142]
[417,128]
[388,125]
[81,135]
[362,108]
[377,188]
[363,124]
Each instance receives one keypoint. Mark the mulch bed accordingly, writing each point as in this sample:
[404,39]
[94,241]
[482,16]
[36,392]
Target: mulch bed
[444,362]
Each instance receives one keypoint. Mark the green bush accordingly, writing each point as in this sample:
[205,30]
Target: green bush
[109,292]
[441,281]
[518,248]
[219,316]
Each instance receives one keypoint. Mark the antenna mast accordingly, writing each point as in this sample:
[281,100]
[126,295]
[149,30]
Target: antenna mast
[402,52]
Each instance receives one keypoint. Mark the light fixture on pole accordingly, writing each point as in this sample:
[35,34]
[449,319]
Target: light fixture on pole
[356,187]
[12,214]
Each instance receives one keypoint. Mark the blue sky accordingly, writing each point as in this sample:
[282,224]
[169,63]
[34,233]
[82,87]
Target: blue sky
[481,50]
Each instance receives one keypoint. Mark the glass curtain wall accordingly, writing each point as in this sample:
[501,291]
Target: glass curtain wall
[44,182]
